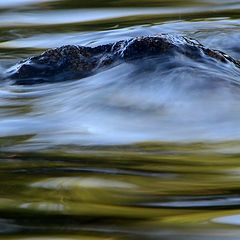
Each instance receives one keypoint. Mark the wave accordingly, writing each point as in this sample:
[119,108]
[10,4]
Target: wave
[156,99]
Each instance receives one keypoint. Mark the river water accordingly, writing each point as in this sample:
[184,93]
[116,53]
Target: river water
[132,152]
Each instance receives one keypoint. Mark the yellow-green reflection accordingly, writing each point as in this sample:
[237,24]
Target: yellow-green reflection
[153,190]
[146,186]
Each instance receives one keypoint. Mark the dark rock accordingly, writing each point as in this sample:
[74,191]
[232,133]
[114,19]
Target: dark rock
[74,62]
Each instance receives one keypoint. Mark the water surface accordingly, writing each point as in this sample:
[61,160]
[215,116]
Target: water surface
[134,152]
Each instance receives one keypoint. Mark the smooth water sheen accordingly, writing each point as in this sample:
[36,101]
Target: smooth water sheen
[143,151]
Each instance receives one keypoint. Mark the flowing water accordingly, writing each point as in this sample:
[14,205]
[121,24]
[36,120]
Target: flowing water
[144,151]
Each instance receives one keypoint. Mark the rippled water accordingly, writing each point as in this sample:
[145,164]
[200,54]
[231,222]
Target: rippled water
[139,151]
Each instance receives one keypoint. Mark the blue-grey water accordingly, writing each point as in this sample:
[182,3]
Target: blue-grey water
[144,151]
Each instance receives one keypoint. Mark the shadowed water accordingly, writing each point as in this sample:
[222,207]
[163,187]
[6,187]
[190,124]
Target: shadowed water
[139,151]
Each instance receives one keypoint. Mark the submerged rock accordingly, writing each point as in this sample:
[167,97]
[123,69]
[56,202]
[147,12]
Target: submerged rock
[74,62]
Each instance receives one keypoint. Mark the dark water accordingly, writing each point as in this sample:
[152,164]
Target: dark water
[144,152]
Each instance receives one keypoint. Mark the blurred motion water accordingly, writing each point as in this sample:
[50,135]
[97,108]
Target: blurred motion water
[135,152]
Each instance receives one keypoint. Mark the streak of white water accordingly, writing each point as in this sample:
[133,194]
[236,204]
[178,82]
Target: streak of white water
[175,99]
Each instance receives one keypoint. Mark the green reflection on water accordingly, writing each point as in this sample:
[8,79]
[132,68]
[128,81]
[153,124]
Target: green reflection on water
[123,3]
[124,187]
[119,192]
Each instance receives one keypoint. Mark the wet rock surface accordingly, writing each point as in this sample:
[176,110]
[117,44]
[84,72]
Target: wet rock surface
[75,62]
